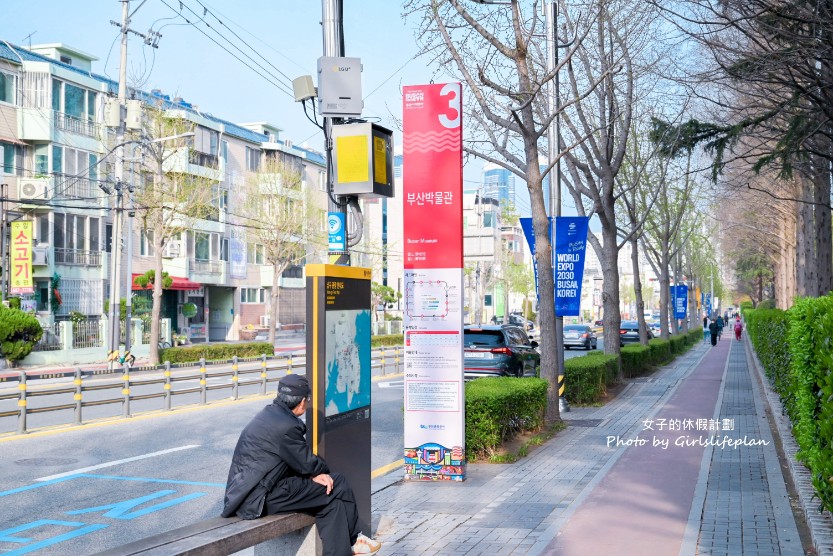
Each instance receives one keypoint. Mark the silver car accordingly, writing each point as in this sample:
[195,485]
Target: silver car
[579,335]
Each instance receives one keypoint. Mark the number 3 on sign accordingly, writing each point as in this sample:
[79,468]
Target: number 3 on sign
[452,91]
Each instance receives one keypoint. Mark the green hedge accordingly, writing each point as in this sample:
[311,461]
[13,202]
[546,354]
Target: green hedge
[660,351]
[498,408]
[795,348]
[387,340]
[636,360]
[215,352]
[586,378]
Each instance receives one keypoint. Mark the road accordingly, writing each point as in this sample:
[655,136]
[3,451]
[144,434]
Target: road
[82,489]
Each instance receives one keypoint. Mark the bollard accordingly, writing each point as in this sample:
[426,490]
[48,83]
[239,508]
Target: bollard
[263,374]
[396,360]
[563,406]
[289,364]
[21,403]
[126,391]
[167,385]
[202,381]
[234,377]
[382,361]
[78,390]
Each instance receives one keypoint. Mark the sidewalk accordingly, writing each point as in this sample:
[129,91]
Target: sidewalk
[663,488]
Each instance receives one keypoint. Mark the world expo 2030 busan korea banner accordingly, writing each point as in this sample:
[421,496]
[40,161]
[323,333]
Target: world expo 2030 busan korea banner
[432,166]
[570,246]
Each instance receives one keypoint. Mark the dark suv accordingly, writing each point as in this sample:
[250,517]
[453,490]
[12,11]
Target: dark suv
[499,350]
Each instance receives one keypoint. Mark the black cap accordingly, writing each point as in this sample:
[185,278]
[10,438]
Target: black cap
[294,385]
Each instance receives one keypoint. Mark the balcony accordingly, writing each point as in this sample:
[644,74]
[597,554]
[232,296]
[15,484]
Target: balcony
[77,257]
[73,124]
[76,187]
[202,159]
[208,272]
[189,161]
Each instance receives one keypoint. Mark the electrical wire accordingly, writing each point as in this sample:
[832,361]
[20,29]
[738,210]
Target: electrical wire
[270,78]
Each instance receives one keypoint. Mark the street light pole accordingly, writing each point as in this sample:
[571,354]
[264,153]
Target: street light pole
[553,154]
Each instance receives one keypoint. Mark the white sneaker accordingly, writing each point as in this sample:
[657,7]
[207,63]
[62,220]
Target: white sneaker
[366,545]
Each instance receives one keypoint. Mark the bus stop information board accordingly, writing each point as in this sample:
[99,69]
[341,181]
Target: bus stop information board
[433,247]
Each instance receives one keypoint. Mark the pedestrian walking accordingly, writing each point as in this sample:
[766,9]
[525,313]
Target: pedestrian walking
[720,324]
[738,328]
[273,470]
[714,330]
[706,332]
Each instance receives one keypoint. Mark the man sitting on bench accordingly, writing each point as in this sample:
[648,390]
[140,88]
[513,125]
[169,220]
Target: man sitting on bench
[273,470]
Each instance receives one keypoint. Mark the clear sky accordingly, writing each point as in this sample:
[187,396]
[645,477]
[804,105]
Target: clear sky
[287,33]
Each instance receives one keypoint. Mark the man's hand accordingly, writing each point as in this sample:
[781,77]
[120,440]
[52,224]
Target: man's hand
[324,480]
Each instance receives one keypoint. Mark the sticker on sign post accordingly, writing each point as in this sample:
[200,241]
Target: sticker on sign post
[336,231]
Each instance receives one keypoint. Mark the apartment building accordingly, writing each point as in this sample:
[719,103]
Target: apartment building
[58,167]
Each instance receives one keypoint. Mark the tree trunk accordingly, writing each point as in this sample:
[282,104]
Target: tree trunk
[666,309]
[610,294]
[156,310]
[274,302]
[637,288]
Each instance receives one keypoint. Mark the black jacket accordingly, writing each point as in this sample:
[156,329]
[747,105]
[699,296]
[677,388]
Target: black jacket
[272,447]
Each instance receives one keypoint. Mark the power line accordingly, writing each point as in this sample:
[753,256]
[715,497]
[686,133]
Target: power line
[270,78]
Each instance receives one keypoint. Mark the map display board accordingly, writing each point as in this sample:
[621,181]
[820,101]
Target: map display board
[338,369]
[433,249]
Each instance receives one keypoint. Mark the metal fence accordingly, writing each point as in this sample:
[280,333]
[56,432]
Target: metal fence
[167,382]
[51,339]
[87,334]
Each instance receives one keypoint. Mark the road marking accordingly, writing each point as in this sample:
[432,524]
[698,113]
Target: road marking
[385,469]
[116,462]
[392,384]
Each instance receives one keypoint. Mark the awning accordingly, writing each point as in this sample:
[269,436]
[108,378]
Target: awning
[12,141]
[178,284]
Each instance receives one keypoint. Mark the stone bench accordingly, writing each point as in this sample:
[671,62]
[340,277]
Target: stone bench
[289,534]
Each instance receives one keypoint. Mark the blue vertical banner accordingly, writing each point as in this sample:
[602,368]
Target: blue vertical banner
[709,304]
[680,301]
[529,234]
[570,246]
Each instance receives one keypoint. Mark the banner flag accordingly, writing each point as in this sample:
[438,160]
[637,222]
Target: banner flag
[570,247]
[680,301]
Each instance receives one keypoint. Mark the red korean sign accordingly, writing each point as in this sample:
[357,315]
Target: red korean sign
[434,393]
[20,256]
[433,176]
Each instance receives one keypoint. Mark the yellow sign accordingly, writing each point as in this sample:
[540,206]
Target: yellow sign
[380,162]
[352,158]
[20,257]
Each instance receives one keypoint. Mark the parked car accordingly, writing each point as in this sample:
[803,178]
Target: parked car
[579,335]
[629,332]
[599,324]
[499,350]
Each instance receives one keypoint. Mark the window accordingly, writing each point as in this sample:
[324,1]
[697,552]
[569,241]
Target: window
[11,155]
[73,162]
[94,235]
[254,253]
[252,159]
[251,295]
[206,140]
[147,248]
[293,272]
[202,247]
[322,180]
[41,160]
[224,249]
[73,101]
[8,87]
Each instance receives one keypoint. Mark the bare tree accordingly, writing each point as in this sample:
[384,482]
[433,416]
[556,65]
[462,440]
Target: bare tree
[496,53]
[281,216]
[171,200]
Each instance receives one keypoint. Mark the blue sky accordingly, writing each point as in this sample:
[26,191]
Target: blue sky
[187,64]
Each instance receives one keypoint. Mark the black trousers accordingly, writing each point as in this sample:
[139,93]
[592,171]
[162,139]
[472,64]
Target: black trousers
[714,339]
[335,514]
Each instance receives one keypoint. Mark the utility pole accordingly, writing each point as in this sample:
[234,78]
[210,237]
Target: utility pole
[333,31]
[554,153]
[116,250]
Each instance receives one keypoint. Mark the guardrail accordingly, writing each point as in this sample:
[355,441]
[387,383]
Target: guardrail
[379,360]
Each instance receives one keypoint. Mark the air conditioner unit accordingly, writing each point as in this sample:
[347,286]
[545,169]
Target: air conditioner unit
[40,256]
[33,189]
[172,249]
[264,320]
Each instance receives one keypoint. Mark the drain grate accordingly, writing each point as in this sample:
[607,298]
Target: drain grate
[584,422]
[46,462]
